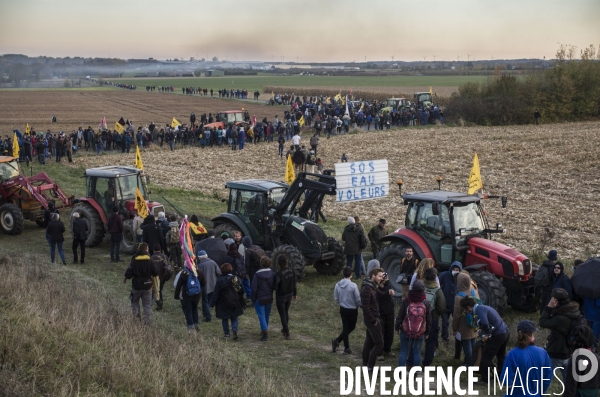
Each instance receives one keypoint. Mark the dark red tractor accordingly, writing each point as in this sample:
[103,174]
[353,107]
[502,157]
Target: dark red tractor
[450,226]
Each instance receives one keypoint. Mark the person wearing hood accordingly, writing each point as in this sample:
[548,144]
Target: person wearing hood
[461,325]
[253,255]
[448,286]
[347,296]
[386,311]
[140,272]
[351,236]
[435,296]
[414,302]
[373,346]
[215,247]
[561,280]
[521,359]
[544,279]
[238,263]
[557,317]
[152,234]
[223,311]
[173,241]
[584,339]
[263,285]
[197,230]
[211,271]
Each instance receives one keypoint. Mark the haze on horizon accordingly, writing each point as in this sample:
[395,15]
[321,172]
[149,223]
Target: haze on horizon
[307,31]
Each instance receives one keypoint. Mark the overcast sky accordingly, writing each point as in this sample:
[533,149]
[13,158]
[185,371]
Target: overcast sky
[312,30]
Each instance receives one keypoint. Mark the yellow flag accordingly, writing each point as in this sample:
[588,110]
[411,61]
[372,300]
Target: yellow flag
[362,105]
[301,121]
[27,130]
[475,176]
[290,174]
[15,145]
[338,97]
[119,128]
[175,123]
[343,101]
[138,159]
[430,91]
[140,204]
[272,94]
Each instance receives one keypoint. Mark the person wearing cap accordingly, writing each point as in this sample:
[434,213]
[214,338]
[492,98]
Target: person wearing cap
[544,279]
[415,296]
[561,280]
[557,317]
[211,272]
[79,230]
[351,237]
[584,339]
[523,365]
[376,233]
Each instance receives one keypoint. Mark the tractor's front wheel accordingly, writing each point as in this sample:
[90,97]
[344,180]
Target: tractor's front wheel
[334,265]
[11,219]
[128,243]
[294,257]
[491,291]
[94,224]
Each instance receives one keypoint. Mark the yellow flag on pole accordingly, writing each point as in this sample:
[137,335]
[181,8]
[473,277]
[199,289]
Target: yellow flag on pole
[301,121]
[140,204]
[119,128]
[475,176]
[272,95]
[175,123]
[27,130]
[338,97]
[15,145]
[430,91]
[290,174]
[138,159]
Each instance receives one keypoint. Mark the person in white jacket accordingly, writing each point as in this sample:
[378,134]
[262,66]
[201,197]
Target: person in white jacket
[346,295]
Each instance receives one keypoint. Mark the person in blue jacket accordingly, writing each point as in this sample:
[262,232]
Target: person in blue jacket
[521,381]
[561,280]
[448,286]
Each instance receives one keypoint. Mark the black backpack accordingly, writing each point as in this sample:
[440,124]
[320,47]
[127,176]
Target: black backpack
[232,294]
[362,241]
[576,322]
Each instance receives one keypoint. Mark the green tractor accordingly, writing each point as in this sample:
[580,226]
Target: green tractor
[423,99]
[276,218]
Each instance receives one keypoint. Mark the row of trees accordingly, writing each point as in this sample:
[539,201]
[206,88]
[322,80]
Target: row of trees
[570,90]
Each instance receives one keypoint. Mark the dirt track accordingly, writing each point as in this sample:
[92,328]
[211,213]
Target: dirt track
[550,173]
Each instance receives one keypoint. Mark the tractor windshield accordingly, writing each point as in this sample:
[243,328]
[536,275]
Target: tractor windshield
[468,217]
[9,170]
[275,197]
[128,183]
[424,97]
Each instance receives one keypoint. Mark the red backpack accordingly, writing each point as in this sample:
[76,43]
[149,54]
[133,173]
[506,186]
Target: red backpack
[414,322]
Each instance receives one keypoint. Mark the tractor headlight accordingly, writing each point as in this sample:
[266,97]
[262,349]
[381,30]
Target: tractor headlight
[521,268]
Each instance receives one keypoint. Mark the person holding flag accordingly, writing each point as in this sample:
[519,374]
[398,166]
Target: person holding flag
[475,177]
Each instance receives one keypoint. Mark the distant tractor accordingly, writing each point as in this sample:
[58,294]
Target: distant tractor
[268,212]
[228,118]
[450,226]
[107,187]
[423,99]
[397,103]
[26,198]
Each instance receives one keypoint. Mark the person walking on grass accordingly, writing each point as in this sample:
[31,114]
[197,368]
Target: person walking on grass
[347,296]
[285,292]
[140,272]
[189,284]
[55,232]
[80,231]
[211,273]
[263,284]
[228,300]
[373,346]
[165,271]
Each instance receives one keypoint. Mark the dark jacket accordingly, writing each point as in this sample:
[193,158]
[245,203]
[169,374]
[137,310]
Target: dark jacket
[47,213]
[448,286]
[235,259]
[386,304]
[285,283]
[351,236]
[262,286]
[115,224]
[440,300]
[222,311]
[375,234]
[562,281]
[402,314]
[152,235]
[55,231]
[141,269]
[369,297]
[160,260]
[558,321]
[181,282]
[546,290]
[80,229]
[490,321]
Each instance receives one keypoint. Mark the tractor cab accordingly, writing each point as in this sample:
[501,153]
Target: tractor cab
[9,168]
[424,99]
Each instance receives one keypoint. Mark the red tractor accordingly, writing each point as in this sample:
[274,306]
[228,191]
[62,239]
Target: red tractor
[228,118]
[450,226]
[26,198]
[107,187]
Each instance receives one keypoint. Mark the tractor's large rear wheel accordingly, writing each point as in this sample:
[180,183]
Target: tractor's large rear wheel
[491,291]
[94,224]
[128,243]
[390,258]
[294,257]
[226,227]
[11,219]
[334,265]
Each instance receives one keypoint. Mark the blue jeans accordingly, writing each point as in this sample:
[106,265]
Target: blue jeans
[115,249]
[189,305]
[559,362]
[431,342]
[206,306]
[171,144]
[468,345]
[234,325]
[414,345]
[247,288]
[263,312]
[359,266]
[60,251]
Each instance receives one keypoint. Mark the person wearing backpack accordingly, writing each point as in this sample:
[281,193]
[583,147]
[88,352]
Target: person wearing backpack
[211,272]
[413,323]
[285,292]
[494,333]
[560,316]
[173,242]
[437,300]
[464,325]
[165,271]
[189,284]
[263,284]
[140,272]
[544,279]
[227,299]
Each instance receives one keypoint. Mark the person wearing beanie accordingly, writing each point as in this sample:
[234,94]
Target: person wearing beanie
[376,233]
[352,236]
[415,302]
[373,264]
[519,361]
[544,279]
[557,316]
[211,272]
[561,280]
[448,286]
[584,339]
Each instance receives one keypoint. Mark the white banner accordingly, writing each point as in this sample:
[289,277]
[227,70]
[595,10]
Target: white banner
[361,180]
